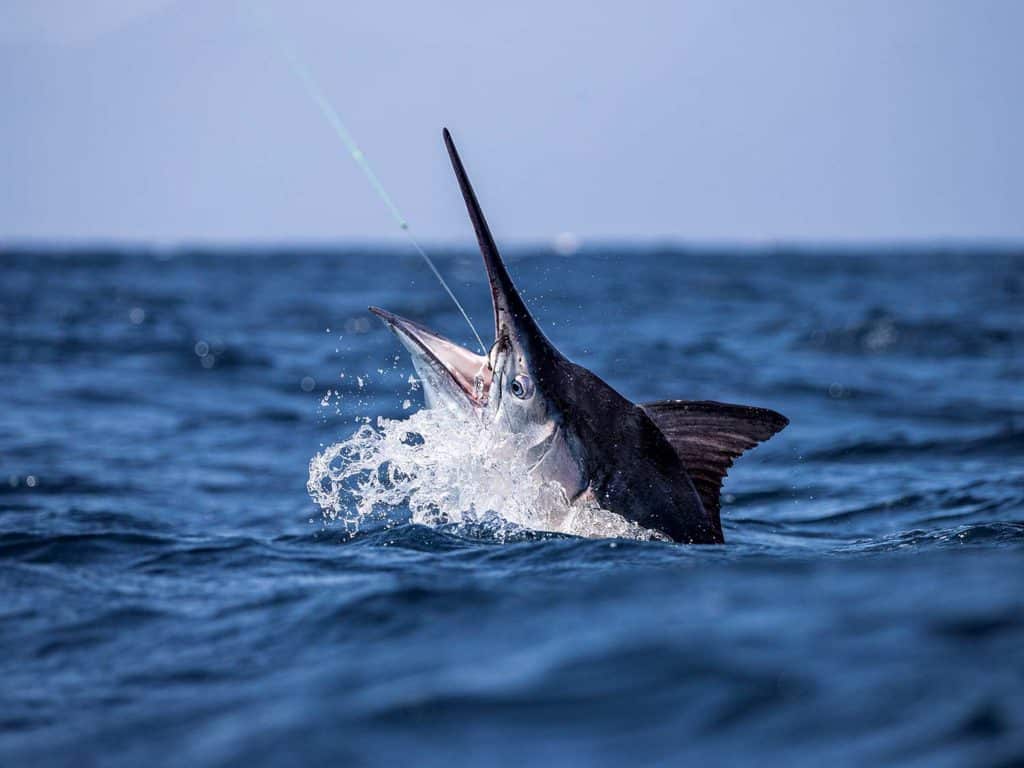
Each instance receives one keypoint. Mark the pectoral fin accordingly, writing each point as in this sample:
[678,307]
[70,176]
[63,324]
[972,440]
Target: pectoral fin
[709,435]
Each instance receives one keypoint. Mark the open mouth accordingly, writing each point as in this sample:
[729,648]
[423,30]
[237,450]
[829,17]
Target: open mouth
[470,372]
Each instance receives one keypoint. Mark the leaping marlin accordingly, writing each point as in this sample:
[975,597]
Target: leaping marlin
[660,465]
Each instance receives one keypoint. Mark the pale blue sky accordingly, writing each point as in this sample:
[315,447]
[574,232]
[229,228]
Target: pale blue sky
[700,120]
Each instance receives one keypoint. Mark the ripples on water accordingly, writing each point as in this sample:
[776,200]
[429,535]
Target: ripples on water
[171,595]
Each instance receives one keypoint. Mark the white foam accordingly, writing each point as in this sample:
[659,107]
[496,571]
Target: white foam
[447,468]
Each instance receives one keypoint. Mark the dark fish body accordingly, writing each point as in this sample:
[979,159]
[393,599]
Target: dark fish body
[633,469]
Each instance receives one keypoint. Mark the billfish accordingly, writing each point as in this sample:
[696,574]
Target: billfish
[659,465]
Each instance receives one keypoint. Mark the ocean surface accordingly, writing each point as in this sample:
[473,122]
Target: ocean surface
[171,595]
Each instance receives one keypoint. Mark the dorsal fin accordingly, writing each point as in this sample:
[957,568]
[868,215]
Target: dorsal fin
[709,435]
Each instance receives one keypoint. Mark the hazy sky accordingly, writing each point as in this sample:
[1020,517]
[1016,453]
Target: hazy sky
[178,120]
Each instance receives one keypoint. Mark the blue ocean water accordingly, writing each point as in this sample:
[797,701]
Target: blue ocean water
[170,595]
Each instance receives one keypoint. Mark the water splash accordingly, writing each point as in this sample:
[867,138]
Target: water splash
[443,468]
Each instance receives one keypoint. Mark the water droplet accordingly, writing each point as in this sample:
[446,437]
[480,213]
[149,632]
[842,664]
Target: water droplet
[137,315]
[202,349]
[357,325]
[307,383]
[30,481]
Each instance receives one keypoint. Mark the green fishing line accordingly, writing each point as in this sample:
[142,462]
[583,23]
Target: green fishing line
[314,91]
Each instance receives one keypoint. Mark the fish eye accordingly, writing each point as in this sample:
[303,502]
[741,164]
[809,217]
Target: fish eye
[521,386]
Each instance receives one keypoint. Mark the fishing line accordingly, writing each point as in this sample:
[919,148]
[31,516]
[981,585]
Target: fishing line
[313,90]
